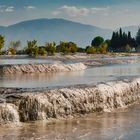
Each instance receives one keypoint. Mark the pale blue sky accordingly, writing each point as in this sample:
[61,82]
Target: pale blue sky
[102,13]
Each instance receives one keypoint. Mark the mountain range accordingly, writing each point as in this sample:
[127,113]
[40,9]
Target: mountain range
[47,30]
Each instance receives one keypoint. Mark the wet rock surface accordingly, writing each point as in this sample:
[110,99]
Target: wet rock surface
[41,68]
[24,106]
[9,113]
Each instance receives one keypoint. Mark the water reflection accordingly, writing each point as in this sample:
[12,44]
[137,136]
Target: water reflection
[25,61]
[88,76]
[119,125]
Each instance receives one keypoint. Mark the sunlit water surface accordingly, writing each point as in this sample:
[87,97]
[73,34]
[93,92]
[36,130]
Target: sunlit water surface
[92,75]
[25,61]
[119,125]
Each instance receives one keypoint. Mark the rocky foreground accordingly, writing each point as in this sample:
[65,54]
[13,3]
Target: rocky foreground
[22,106]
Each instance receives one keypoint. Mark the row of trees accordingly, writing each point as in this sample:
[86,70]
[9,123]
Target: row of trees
[98,45]
[120,42]
[33,49]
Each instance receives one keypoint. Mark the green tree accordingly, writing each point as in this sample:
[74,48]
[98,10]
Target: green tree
[80,50]
[120,34]
[32,48]
[108,42]
[91,50]
[103,48]
[73,47]
[120,40]
[11,51]
[97,41]
[87,48]
[113,42]
[42,51]
[128,48]
[138,40]
[62,47]
[131,41]
[67,47]
[1,42]
[138,37]
[13,47]
[50,48]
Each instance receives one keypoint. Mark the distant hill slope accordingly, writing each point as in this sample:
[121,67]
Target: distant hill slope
[45,30]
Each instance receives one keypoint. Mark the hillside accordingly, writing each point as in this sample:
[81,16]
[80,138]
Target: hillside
[45,30]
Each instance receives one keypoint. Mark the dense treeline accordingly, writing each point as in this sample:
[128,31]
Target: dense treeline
[50,48]
[122,42]
[33,49]
[119,42]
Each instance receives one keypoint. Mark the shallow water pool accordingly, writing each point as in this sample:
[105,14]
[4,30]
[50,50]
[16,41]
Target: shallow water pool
[92,75]
[122,124]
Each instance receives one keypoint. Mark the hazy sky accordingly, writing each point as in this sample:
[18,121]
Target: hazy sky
[102,13]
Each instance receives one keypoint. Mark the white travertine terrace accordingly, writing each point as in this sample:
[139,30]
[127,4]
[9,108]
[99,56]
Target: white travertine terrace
[69,101]
[42,68]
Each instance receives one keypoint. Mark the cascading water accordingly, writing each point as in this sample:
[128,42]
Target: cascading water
[41,68]
[71,101]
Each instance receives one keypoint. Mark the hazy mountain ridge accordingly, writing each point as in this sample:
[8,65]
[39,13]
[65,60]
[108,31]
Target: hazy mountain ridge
[45,30]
